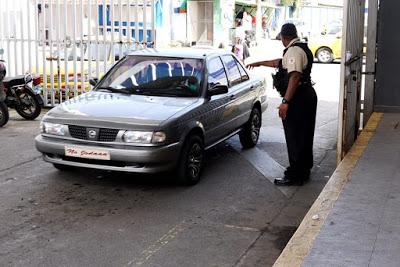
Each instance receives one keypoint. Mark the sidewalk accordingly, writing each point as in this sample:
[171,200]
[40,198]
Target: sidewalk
[356,219]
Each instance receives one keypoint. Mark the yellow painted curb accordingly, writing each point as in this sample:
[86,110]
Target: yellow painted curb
[301,242]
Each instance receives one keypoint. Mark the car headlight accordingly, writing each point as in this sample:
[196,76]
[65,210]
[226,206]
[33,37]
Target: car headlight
[143,137]
[53,128]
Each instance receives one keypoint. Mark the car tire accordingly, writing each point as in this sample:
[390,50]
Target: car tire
[191,161]
[251,130]
[21,109]
[62,167]
[324,55]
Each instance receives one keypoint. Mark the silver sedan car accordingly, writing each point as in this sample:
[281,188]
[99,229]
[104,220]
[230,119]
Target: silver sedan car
[155,111]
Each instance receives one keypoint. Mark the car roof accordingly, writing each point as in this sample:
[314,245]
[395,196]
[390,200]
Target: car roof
[196,53]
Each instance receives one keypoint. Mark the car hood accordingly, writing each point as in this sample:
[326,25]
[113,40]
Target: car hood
[100,109]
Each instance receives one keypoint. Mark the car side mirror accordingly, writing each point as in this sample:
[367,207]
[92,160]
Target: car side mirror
[218,89]
[94,81]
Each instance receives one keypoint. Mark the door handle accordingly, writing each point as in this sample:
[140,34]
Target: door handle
[232,96]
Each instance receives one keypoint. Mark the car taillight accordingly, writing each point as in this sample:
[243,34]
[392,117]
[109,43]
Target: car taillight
[36,80]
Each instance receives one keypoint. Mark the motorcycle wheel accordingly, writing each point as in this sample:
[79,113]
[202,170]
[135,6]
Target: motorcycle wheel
[29,107]
[4,116]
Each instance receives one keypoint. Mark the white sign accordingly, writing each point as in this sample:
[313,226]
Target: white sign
[86,152]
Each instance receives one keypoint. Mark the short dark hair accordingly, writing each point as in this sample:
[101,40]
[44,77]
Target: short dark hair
[289,30]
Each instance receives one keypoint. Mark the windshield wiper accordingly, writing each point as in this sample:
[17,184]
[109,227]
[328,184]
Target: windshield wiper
[172,91]
[116,90]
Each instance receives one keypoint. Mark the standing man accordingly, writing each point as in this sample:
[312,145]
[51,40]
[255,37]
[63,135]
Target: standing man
[299,104]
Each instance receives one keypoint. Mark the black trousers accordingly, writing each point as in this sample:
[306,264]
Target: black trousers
[299,127]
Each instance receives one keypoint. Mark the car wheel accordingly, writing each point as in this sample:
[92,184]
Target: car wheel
[191,161]
[62,167]
[251,131]
[324,55]
[29,108]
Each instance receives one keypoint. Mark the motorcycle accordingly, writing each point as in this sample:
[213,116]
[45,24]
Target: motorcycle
[23,94]
[3,107]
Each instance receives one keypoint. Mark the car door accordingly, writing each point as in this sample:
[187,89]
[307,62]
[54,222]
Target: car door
[246,96]
[214,119]
[241,92]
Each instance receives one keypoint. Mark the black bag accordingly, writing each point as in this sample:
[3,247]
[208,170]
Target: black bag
[281,80]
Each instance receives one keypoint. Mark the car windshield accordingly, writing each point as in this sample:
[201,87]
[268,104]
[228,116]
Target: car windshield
[157,76]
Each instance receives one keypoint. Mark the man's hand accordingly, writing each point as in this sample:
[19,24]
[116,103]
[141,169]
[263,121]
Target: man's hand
[253,65]
[283,108]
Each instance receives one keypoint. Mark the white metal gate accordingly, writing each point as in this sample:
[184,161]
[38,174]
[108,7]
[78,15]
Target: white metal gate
[351,77]
[67,42]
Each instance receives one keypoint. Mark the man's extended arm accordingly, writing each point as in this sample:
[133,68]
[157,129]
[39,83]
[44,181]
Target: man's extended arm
[267,63]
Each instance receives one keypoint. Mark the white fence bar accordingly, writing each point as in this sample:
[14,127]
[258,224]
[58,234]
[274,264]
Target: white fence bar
[82,43]
[28,27]
[37,39]
[74,48]
[9,37]
[18,14]
[50,31]
[58,29]
[97,40]
[137,23]
[89,35]
[63,41]
[153,20]
[128,21]
[112,15]
[120,29]
[44,44]
[144,41]
[66,55]
[105,35]
[15,37]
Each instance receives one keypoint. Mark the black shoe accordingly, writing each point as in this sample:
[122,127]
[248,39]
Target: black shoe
[285,181]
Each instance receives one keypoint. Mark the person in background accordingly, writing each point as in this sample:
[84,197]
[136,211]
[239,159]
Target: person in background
[240,48]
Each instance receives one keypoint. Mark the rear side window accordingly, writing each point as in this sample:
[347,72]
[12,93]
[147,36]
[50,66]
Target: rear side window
[234,76]
[216,72]
[243,73]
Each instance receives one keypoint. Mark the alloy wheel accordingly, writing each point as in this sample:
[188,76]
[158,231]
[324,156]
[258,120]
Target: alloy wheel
[255,127]
[195,160]
[324,56]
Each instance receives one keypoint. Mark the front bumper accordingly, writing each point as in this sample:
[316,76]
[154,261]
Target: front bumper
[122,158]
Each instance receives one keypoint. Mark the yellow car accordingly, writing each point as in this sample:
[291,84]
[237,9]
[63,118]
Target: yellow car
[326,47]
